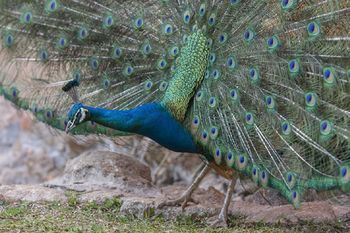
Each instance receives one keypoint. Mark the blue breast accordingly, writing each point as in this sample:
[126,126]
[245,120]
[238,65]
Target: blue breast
[153,121]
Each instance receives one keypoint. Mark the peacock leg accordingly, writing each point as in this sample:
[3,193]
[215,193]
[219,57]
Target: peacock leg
[186,196]
[221,221]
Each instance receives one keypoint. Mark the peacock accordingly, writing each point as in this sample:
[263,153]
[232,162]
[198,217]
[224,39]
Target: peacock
[259,88]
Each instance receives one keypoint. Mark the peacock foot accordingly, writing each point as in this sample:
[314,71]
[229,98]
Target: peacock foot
[218,222]
[187,195]
[183,201]
[221,220]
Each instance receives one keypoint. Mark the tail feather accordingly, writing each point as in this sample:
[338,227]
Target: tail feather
[274,102]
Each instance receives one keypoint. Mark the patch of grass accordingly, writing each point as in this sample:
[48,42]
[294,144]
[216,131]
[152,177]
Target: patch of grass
[188,221]
[149,212]
[73,198]
[112,204]
[105,217]
[13,212]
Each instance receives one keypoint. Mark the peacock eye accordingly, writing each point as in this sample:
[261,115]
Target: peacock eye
[78,115]
[248,35]
[202,9]
[138,23]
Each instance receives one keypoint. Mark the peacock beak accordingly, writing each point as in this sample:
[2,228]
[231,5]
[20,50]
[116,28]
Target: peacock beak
[70,126]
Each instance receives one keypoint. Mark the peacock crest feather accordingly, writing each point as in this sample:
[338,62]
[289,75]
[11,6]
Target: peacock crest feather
[261,87]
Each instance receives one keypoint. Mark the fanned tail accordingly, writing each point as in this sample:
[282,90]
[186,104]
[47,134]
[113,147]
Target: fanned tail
[274,103]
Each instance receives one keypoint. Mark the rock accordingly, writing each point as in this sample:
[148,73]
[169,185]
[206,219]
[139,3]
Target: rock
[215,181]
[210,202]
[144,208]
[176,168]
[33,153]
[267,197]
[205,197]
[28,152]
[31,193]
[166,166]
[274,198]
[96,170]
[311,211]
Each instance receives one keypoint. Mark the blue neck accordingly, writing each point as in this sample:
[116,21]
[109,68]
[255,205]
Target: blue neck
[115,119]
[151,120]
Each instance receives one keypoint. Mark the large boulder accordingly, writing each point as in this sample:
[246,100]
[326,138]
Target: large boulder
[32,152]
[99,170]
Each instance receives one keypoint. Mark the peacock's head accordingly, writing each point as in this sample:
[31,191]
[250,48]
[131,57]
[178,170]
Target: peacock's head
[76,115]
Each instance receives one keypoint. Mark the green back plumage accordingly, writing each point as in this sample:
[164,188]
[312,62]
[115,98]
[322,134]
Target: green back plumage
[269,97]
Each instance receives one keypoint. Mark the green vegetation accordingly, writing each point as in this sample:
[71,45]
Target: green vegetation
[105,217]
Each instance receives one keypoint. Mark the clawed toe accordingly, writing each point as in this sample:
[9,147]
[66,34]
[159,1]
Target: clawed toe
[186,201]
[218,222]
[182,201]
